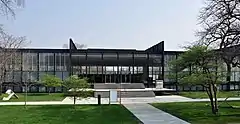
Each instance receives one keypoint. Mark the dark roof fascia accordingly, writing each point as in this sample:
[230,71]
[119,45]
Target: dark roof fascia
[44,50]
[109,51]
[173,52]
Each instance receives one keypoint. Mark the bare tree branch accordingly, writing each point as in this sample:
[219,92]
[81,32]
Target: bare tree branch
[9,6]
[220,20]
[9,54]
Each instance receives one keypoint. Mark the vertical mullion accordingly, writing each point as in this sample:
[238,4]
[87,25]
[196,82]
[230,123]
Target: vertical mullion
[54,65]
[117,77]
[133,57]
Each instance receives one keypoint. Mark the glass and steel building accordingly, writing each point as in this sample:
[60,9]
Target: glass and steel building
[99,65]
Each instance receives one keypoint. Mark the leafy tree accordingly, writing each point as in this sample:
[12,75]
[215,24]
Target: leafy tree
[205,71]
[77,86]
[51,81]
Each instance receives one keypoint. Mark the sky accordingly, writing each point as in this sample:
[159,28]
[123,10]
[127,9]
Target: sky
[129,24]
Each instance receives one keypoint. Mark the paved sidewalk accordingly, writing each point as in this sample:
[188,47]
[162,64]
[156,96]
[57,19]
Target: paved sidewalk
[33,103]
[151,115]
[137,100]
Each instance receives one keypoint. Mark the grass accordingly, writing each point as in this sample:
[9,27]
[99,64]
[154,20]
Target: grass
[36,97]
[200,113]
[203,94]
[66,114]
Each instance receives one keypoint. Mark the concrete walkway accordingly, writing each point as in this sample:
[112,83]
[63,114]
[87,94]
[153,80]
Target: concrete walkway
[151,115]
[137,100]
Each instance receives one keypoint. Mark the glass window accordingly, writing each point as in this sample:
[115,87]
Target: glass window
[17,89]
[92,69]
[61,60]
[34,76]
[17,76]
[17,61]
[237,76]
[59,75]
[34,89]
[232,76]
[155,58]
[65,75]
[131,70]
[30,61]
[42,89]
[58,89]
[41,74]
[9,77]
[34,62]
[50,61]
[83,69]
[140,69]
[43,62]
[167,60]
[24,89]
[46,61]
[65,61]
[25,76]
[150,70]
[58,61]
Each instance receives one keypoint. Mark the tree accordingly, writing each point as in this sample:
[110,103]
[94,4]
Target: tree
[27,84]
[9,55]
[27,77]
[51,81]
[220,20]
[77,86]
[205,71]
[9,6]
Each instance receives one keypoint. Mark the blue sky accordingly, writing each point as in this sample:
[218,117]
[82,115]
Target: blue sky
[136,24]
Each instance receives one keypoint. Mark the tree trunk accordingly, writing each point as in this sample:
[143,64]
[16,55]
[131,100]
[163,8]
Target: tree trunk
[49,90]
[210,94]
[177,88]
[215,99]
[212,104]
[74,99]
[1,89]
[25,98]
[228,76]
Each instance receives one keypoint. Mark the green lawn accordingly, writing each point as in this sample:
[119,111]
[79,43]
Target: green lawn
[222,94]
[66,114]
[37,97]
[200,113]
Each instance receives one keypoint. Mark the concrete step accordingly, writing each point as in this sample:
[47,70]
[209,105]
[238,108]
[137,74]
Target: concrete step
[126,94]
[119,86]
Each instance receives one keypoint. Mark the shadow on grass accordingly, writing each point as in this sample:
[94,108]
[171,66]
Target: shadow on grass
[230,115]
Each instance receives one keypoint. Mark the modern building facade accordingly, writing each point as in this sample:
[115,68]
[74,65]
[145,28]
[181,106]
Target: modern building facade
[99,65]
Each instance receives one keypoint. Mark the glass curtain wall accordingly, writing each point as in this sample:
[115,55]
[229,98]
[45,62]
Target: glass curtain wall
[117,67]
[31,66]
